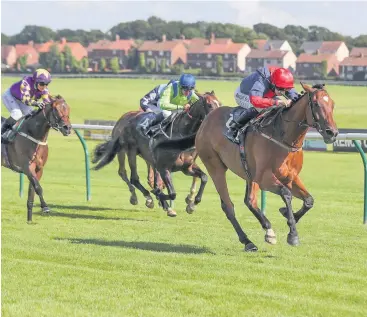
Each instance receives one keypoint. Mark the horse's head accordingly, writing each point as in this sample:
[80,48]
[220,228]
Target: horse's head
[58,116]
[321,115]
[206,103]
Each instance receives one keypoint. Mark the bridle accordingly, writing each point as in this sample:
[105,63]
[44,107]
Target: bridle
[54,120]
[204,102]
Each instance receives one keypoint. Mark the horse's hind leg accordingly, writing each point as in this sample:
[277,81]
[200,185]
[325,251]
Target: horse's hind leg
[252,189]
[122,173]
[195,172]
[299,191]
[217,172]
[131,154]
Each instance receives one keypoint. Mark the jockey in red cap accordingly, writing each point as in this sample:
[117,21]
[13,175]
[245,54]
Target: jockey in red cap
[258,91]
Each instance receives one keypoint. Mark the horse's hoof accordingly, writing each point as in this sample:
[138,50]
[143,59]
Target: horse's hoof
[292,240]
[133,200]
[46,210]
[190,208]
[250,247]
[149,203]
[270,237]
[188,200]
[171,212]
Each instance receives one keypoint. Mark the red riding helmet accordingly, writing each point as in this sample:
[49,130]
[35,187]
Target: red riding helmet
[282,78]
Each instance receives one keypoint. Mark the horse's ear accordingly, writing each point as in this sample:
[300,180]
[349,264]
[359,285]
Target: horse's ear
[212,92]
[307,88]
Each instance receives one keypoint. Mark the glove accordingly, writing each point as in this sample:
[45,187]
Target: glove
[285,103]
[38,103]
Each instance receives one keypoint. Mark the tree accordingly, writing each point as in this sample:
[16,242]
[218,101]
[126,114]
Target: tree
[69,58]
[62,62]
[84,63]
[22,63]
[219,65]
[142,67]
[4,39]
[163,65]
[114,65]
[102,65]
[324,69]
[37,34]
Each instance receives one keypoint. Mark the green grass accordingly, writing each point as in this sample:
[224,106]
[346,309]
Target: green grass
[108,258]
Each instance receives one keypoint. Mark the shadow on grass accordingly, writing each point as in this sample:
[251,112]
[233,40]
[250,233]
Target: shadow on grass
[141,245]
[80,207]
[82,216]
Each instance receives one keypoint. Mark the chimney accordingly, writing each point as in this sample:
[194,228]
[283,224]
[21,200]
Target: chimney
[30,43]
[63,40]
[212,38]
[164,37]
[117,37]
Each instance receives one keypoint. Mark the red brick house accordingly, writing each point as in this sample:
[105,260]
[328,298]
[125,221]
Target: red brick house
[29,51]
[109,49]
[77,49]
[353,68]
[171,52]
[358,52]
[8,55]
[205,56]
[260,58]
[311,66]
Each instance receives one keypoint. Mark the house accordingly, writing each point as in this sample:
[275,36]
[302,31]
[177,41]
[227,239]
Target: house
[77,49]
[260,58]
[358,52]
[109,49]
[338,48]
[168,52]
[311,66]
[279,45]
[29,51]
[353,68]
[259,44]
[205,56]
[8,55]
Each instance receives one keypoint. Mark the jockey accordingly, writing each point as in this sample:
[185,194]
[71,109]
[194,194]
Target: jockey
[259,90]
[176,95]
[19,99]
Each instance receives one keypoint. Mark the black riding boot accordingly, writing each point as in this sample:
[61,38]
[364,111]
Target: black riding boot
[239,122]
[6,127]
[150,127]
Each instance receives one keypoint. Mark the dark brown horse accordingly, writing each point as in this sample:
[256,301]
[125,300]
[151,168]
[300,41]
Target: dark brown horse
[28,152]
[272,152]
[165,155]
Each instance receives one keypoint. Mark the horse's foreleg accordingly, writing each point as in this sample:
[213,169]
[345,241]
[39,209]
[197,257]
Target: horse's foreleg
[34,176]
[135,177]
[167,179]
[271,183]
[252,189]
[151,174]
[299,191]
[217,172]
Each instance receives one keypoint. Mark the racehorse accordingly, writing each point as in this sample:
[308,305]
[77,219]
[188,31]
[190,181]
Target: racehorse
[28,152]
[269,157]
[160,152]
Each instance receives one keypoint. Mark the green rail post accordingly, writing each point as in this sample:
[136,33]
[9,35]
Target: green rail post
[263,201]
[87,171]
[364,159]
[21,184]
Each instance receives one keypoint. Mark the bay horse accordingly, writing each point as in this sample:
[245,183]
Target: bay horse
[269,157]
[28,152]
[162,153]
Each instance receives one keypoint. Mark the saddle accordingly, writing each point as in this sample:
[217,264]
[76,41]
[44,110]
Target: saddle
[164,127]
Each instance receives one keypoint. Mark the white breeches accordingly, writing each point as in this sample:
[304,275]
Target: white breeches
[16,108]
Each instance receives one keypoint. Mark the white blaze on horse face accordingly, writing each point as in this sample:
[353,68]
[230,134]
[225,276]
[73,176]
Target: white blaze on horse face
[326,98]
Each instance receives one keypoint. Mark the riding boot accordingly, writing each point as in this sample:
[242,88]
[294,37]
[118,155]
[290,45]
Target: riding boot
[6,129]
[153,126]
[236,124]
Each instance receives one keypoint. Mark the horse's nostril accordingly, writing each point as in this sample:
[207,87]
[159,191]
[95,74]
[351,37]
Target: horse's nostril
[330,132]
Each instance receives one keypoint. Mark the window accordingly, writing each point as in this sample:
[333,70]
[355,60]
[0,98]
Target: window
[305,65]
[161,53]
[114,52]
[150,53]
[209,55]
[225,55]
[360,68]
[197,55]
[208,64]
[197,64]
[350,68]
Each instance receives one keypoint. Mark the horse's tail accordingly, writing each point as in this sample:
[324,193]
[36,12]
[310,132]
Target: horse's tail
[106,152]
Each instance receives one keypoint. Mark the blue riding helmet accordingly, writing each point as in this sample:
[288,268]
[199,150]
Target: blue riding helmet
[187,81]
